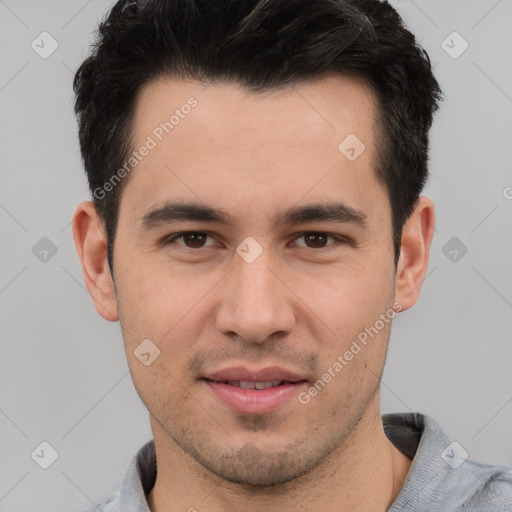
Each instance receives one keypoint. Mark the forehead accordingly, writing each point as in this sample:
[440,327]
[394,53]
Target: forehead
[223,140]
[332,103]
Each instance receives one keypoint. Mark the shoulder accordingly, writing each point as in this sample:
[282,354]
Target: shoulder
[442,477]
[491,490]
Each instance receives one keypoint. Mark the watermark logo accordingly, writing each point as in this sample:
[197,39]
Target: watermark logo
[44,45]
[44,250]
[352,147]
[454,455]
[355,348]
[249,249]
[147,352]
[454,249]
[454,45]
[152,140]
[44,455]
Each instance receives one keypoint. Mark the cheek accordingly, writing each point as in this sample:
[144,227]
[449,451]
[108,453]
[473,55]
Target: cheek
[349,299]
[352,369]
[162,303]
[353,348]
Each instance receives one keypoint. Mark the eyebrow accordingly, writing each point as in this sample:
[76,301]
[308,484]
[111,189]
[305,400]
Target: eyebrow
[179,211]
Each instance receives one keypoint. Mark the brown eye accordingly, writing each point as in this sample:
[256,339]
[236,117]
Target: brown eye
[317,240]
[191,239]
[194,240]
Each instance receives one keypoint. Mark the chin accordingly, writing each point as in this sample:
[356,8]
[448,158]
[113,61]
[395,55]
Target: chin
[254,467]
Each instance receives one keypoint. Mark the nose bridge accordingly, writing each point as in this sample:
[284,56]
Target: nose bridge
[255,303]
[256,279]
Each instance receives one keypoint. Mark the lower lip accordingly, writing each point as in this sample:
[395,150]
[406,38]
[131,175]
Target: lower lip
[255,401]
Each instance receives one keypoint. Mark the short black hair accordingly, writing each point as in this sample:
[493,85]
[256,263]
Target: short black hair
[261,45]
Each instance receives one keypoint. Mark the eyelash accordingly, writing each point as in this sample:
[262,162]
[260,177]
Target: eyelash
[172,238]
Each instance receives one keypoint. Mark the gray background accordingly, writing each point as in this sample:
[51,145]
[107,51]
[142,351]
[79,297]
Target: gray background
[63,371]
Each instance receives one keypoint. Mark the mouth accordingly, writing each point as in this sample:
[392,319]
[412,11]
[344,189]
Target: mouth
[256,392]
[247,384]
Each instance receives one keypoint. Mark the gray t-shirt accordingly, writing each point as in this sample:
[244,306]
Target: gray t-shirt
[441,478]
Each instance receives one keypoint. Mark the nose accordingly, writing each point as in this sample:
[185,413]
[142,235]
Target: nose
[256,302]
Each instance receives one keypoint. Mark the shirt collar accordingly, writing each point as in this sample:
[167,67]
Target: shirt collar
[138,479]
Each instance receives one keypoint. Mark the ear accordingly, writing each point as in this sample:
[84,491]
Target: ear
[91,246]
[417,235]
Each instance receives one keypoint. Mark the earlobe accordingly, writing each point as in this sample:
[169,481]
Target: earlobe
[412,266]
[91,245]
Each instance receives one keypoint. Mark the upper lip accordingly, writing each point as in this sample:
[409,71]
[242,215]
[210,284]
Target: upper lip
[261,375]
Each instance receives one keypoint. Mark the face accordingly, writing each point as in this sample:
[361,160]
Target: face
[264,286]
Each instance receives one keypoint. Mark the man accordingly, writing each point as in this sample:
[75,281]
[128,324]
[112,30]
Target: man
[256,170]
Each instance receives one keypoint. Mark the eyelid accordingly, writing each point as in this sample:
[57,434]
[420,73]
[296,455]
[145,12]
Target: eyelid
[339,239]
[172,238]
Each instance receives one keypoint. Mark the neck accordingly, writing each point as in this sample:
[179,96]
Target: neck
[365,473]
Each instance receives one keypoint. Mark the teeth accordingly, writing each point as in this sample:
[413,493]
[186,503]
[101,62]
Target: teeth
[244,384]
[265,385]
